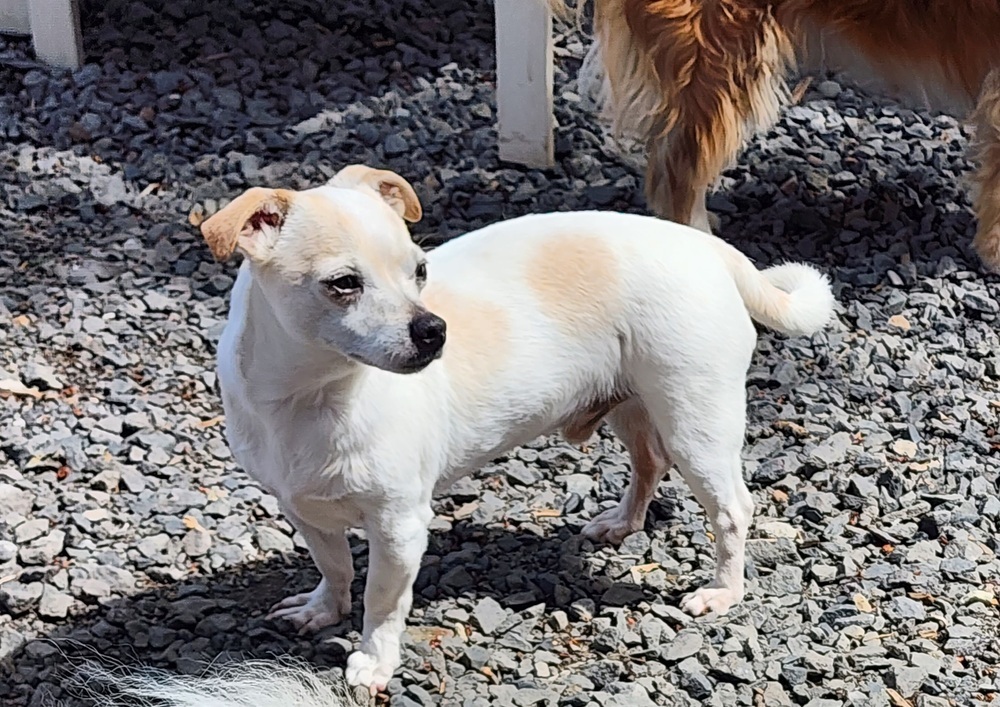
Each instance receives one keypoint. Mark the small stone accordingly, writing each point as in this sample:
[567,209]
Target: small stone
[774,695]
[121,581]
[156,548]
[692,679]
[107,480]
[216,625]
[794,674]
[734,668]
[196,543]
[54,604]
[11,643]
[829,89]
[778,529]
[395,145]
[899,608]
[824,573]
[905,448]
[133,479]
[273,540]
[475,657]
[19,598]
[42,377]
[520,474]
[14,501]
[30,530]
[94,588]
[980,596]
[685,644]
[909,679]
[832,451]
[621,594]
[559,620]
[925,551]
[44,550]
[157,302]
[785,580]
[135,422]
[489,615]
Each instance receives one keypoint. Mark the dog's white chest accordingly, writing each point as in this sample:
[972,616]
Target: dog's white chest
[295,458]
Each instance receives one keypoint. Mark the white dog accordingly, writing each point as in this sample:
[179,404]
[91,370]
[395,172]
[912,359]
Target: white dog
[553,321]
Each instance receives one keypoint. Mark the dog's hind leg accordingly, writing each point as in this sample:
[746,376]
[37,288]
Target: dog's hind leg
[987,177]
[649,464]
[694,79]
[701,421]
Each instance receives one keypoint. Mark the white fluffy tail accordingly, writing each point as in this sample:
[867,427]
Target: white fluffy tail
[793,298]
[257,683]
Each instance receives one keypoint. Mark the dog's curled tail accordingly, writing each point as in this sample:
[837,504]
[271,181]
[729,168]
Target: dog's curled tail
[793,298]
[255,683]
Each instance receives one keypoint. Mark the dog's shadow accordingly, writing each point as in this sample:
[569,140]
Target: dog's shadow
[187,625]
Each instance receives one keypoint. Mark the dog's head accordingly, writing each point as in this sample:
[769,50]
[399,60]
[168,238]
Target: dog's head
[337,265]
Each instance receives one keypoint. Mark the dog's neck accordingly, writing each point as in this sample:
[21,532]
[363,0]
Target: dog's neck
[282,366]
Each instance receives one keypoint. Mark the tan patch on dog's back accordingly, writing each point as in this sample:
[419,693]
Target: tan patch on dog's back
[478,335]
[575,278]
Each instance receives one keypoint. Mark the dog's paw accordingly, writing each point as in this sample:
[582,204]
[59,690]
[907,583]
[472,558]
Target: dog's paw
[367,671]
[611,526]
[313,610]
[709,599]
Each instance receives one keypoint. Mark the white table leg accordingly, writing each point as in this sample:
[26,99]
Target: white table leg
[55,32]
[14,17]
[524,81]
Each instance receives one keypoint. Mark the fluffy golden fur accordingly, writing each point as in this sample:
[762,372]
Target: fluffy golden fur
[695,78]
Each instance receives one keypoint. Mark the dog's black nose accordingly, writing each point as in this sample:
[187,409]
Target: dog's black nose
[427,332]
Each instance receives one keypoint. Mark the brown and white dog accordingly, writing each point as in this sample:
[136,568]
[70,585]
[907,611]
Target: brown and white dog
[553,322]
[695,79]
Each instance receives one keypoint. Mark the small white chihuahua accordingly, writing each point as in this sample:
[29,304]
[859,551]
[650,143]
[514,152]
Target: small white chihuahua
[553,322]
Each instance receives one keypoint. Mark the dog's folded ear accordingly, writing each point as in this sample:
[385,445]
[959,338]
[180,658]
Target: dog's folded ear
[248,223]
[393,189]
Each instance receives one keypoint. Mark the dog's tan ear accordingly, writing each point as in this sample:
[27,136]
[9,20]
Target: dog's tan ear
[247,222]
[393,189]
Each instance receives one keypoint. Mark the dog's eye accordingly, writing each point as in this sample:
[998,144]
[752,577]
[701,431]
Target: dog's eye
[343,285]
[421,273]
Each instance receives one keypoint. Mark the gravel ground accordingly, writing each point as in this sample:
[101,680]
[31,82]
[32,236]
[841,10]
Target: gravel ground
[127,533]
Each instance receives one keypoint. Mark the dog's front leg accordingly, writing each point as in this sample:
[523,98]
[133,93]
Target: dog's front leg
[330,600]
[396,543]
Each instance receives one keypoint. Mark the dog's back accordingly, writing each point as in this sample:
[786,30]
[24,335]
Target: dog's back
[931,51]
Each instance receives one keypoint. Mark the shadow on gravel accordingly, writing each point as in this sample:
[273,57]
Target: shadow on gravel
[423,36]
[186,625]
[186,101]
[910,222]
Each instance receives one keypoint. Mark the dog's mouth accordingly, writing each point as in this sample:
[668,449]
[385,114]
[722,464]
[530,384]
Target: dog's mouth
[402,366]
[419,363]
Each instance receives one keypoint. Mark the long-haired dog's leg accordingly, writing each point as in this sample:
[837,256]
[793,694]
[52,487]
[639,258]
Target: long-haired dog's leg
[987,177]
[694,78]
